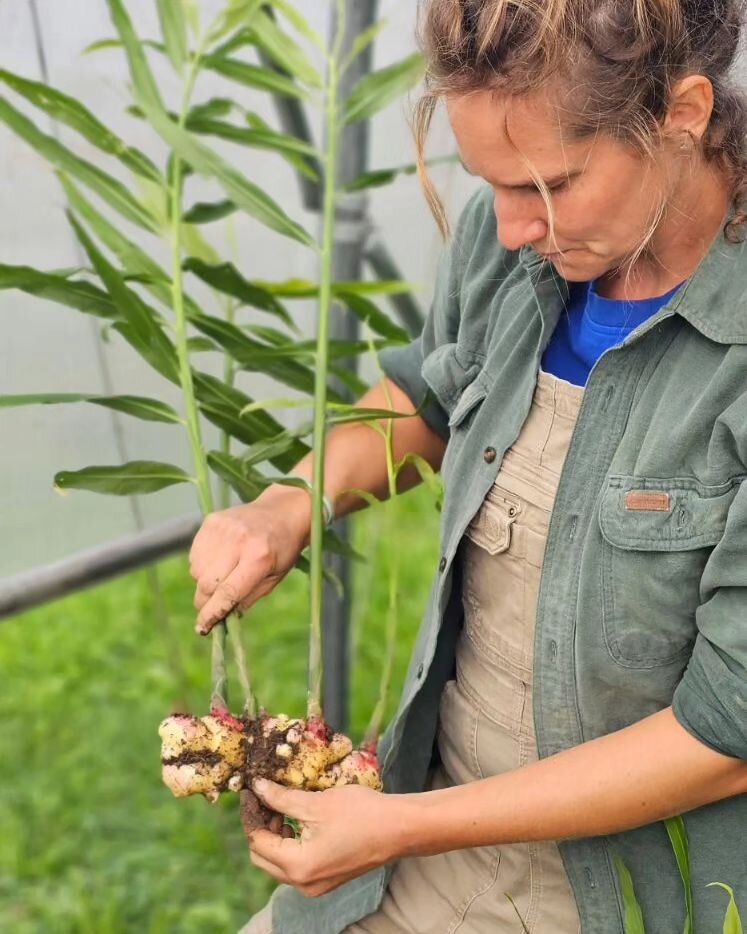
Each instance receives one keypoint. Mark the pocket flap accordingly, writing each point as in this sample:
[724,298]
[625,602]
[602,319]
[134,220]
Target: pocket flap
[471,396]
[491,526]
[649,514]
[448,373]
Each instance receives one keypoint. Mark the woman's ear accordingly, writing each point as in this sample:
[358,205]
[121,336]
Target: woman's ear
[690,108]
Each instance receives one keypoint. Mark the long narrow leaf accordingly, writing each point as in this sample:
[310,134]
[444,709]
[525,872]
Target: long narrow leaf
[379,88]
[134,259]
[633,916]
[251,355]
[366,311]
[254,76]
[304,288]
[236,14]
[221,405]
[106,187]
[151,410]
[379,177]
[431,480]
[140,325]
[276,446]
[205,161]
[205,212]
[125,480]
[282,50]
[57,288]
[299,22]
[146,88]
[678,838]
[174,31]
[72,113]
[288,147]
[363,40]
[732,920]
[105,45]
[247,482]
[211,109]
[227,279]
[342,412]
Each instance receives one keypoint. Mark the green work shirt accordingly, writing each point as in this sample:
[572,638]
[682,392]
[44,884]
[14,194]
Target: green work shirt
[643,598]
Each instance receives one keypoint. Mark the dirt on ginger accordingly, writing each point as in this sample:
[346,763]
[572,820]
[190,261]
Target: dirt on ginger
[220,752]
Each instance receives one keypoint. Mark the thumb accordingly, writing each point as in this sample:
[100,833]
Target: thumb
[284,800]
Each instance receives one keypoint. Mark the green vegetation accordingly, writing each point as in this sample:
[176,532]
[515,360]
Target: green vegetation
[92,842]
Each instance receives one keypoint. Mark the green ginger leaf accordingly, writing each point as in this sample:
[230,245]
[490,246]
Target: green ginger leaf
[72,113]
[732,920]
[109,189]
[58,288]
[171,15]
[379,88]
[125,480]
[151,410]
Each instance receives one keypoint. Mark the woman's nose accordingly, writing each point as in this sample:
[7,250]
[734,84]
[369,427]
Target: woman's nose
[518,224]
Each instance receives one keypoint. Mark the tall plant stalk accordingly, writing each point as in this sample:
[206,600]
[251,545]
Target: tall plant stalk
[219,680]
[332,122]
[373,731]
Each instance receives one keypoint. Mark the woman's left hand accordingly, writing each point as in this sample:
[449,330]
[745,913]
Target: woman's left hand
[345,832]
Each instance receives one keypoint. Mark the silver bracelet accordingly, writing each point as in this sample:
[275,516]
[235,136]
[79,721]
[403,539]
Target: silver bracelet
[328,508]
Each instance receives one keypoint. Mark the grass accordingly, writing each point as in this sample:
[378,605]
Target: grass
[91,840]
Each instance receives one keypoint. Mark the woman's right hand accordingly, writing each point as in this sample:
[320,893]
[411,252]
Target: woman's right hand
[240,554]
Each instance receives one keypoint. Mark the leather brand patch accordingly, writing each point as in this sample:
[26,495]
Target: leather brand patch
[647,501]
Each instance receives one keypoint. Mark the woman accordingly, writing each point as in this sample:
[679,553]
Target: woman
[581,672]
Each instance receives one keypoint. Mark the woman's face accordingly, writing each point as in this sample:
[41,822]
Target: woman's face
[604,195]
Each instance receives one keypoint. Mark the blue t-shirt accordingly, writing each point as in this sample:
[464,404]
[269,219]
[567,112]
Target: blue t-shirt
[590,325]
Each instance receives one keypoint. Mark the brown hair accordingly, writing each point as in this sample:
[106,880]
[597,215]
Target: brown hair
[623,55]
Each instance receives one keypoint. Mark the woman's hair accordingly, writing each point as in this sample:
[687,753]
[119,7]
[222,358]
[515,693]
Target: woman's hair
[611,63]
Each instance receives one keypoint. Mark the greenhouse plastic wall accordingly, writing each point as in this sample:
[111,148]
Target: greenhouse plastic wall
[49,348]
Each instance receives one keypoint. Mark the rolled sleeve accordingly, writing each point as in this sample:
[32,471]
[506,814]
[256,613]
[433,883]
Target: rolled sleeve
[711,700]
[403,365]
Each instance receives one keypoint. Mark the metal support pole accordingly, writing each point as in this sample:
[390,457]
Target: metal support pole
[351,232]
[33,588]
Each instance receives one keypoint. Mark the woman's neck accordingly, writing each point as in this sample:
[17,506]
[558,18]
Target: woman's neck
[683,237]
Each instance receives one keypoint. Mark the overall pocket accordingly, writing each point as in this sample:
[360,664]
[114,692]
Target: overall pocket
[658,535]
[497,589]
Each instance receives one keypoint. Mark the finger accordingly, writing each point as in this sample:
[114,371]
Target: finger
[269,867]
[229,593]
[276,824]
[218,568]
[274,849]
[201,597]
[288,801]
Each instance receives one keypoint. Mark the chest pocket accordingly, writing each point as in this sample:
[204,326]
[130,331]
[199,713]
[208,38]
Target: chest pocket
[658,535]
[453,375]
[450,371]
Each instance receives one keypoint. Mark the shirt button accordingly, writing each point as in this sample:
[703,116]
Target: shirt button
[490,455]
[442,565]
[421,669]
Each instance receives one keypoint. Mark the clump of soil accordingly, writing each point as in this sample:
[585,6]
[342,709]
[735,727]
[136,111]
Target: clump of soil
[217,753]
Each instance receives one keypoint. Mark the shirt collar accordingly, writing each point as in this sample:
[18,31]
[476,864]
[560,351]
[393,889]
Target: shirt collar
[713,300]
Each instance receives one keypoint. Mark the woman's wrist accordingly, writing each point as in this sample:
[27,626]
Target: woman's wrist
[418,825]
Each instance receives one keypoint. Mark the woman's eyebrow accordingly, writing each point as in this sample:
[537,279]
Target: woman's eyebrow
[558,179]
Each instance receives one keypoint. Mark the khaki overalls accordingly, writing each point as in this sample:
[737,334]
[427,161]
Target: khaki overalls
[486,722]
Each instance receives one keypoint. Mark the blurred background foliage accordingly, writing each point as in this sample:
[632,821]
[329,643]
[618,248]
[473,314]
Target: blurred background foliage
[91,841]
